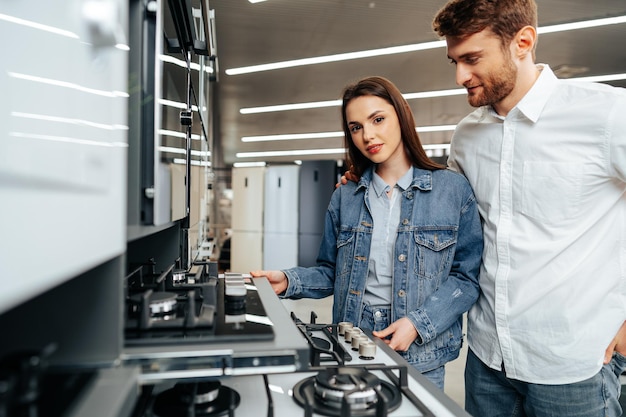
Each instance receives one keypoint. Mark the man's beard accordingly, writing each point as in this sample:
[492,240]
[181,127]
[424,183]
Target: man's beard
[496,86]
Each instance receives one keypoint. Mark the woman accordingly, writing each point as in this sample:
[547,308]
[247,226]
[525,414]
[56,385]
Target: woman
[402,247]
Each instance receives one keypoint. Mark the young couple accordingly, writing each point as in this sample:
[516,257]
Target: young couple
[402,245]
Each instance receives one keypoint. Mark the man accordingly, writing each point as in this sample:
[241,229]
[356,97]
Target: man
[547,161]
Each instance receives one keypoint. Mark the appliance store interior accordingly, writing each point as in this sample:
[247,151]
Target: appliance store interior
[155,152]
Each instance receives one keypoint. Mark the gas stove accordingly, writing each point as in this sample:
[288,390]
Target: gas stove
[174,307]
[173,365]
[349,373]
[208,326]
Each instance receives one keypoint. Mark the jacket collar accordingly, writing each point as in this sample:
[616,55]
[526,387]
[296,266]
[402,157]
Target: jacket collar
[422,179]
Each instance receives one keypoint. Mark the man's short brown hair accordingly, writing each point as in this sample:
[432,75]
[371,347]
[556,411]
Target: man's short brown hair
[463,18]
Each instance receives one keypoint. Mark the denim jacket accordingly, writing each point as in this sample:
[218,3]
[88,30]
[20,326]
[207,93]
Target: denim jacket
[437,254]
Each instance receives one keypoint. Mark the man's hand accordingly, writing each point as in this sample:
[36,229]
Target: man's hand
[347,176]
[277,279]
[402,334]
[618,344]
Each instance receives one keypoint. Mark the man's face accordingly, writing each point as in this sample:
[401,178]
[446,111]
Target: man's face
[483,67]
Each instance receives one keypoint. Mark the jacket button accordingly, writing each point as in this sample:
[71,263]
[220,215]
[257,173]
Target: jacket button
[405,222]
[401,293]
[402,258]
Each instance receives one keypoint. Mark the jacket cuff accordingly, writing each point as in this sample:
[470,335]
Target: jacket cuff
[423,325]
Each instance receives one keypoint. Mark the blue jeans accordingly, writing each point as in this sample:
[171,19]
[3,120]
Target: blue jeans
[489,393]
[376,319]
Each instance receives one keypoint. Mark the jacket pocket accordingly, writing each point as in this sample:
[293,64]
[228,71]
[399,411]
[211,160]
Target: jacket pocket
[435,250]
[345,248]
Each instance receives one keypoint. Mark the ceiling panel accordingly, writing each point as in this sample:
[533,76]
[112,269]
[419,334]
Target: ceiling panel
[279,30]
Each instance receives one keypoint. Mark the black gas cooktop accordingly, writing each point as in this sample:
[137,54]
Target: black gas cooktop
[173,307]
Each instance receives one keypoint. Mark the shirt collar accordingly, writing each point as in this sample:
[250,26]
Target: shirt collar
[379,186]
[532,104]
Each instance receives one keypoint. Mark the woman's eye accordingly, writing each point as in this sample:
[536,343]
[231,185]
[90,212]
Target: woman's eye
[354,128]
[379,119]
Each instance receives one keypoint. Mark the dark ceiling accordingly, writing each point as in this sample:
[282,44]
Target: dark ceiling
[280,30]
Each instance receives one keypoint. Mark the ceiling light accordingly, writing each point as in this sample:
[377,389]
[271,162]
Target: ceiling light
[248,164]
[295,106]
[324,135]
[292,136]
[337,57]
[290,153]
[332,103]
[407,96]
[408,48]
[601,78]
[444,146]
[256,1]
[582,25]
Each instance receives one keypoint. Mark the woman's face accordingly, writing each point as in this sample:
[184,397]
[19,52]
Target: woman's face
[375,129]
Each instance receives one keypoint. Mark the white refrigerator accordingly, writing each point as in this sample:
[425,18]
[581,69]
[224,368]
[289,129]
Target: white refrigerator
[280,225]
[246,245]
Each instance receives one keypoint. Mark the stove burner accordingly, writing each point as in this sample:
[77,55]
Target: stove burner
[333,390]
[196,399]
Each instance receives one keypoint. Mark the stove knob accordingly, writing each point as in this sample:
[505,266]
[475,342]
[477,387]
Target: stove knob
[357,340]
[343,326]
[367,350]
[350,333]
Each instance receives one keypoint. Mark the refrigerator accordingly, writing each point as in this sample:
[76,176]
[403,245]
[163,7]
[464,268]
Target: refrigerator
[317,183]
[280,225]
[246,250]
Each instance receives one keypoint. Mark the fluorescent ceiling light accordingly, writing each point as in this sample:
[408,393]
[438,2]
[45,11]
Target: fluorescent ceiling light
[325,135]
[334,103]
[442,146]
[601,78]
[291,153]
[407,48]
[248,164]
[292,136]
[407,96]
[256,1]
[337,57]
[294,106]
[582,25]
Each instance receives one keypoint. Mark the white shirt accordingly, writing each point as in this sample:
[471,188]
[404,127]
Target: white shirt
[550,180]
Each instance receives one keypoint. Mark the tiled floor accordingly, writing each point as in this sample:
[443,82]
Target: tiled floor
[454,385]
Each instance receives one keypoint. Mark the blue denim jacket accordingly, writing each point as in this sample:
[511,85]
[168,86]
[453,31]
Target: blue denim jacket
[437,255]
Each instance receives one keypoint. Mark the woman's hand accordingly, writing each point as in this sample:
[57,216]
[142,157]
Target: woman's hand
[402,334]
[277,279]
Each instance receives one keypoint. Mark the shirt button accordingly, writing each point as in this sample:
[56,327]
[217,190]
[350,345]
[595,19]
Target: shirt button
[378,314]
[405,221]
[401,293]
[402,258]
